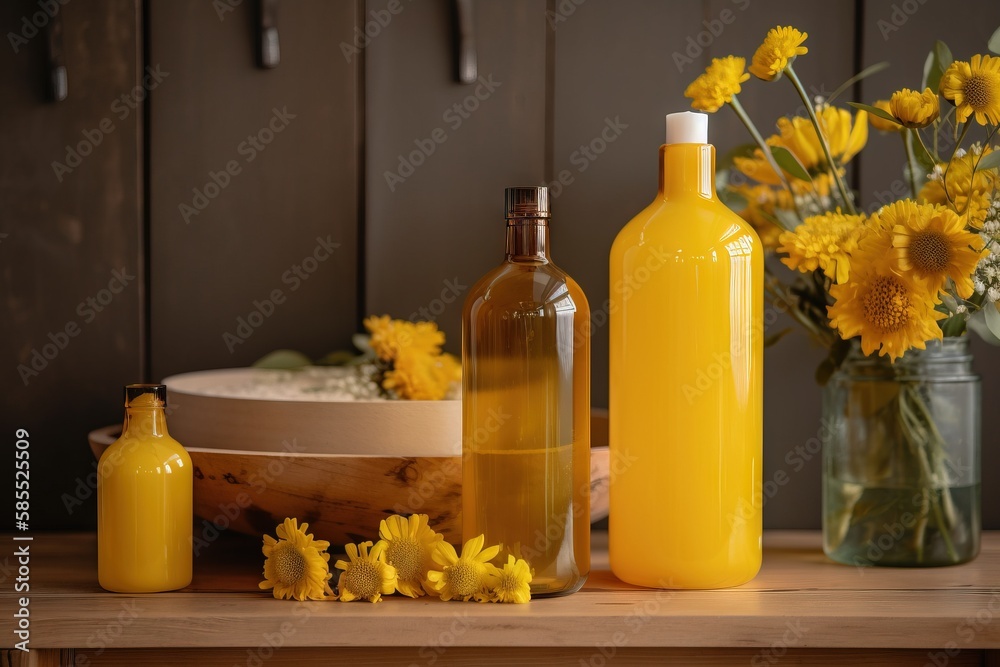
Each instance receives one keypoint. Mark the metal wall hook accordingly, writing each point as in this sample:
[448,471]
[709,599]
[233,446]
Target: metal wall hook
[468,69]
[58,83]
[268,48]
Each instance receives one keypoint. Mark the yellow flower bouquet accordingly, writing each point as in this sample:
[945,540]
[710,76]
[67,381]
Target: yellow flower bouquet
[879,290]
[403,360]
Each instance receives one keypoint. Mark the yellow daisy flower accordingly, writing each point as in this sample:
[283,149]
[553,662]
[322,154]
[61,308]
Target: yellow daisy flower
[512,584]
[296,565]
[844,137]
[933,245]
[823,242]
[914,109]
[389,337]
[367,576]
[974,88]
[780,47]
[409,543]
[890,312]
[419,376]
[881,124]
[959,187]
[465,577]
[717,85]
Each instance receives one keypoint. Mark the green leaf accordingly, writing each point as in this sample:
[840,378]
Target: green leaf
[787,219]
[788,162]
[937,62]
[977,323]
[991,161]
[875,111]
[283,359]
[336,358]
[992,317]
[774,338]
[863,74]
[994,43]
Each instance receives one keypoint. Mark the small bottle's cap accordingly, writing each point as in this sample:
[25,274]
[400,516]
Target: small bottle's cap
[687,127]
[526,202]
[146,395]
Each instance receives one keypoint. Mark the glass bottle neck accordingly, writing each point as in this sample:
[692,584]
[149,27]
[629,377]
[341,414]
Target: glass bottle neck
[687,170]
[528,240]
[145,423]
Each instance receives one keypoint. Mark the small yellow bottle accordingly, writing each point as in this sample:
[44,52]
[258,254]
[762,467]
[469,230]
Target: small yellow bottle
[144,498]
[685,403]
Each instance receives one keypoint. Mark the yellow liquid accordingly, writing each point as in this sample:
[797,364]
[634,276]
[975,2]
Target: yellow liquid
[686,381]
[526,411]
[144,498]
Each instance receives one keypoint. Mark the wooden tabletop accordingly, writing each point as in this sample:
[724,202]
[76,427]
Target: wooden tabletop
[799,595]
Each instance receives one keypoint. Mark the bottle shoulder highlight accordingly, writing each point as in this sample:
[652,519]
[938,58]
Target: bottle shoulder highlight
[686,228]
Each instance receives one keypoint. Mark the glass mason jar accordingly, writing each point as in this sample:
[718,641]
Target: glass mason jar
[901,471]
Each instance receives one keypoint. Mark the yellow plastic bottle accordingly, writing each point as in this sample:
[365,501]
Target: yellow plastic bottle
[526,406]
[144,496]
[686,316]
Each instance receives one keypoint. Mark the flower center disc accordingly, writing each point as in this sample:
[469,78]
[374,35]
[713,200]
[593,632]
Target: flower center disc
[289,564]
[405,556]
[929,252]
[463,578]
[978,91]
[363,579]
[886,304]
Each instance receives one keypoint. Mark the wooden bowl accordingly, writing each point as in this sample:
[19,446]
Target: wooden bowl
[342,497]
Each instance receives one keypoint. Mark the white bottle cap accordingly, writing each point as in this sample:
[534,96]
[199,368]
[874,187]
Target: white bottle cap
[687,127]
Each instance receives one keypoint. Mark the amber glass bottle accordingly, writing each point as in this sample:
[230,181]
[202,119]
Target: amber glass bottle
[526,405]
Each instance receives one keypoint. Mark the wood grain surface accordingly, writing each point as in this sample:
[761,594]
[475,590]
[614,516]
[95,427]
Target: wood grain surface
[800,600]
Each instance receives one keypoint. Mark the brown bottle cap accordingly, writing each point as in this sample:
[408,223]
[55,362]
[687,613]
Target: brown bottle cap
[526,202]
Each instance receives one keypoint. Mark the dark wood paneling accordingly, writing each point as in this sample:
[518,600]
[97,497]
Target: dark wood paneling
[903,34]
[64,237]
[258,222]
[430,237]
